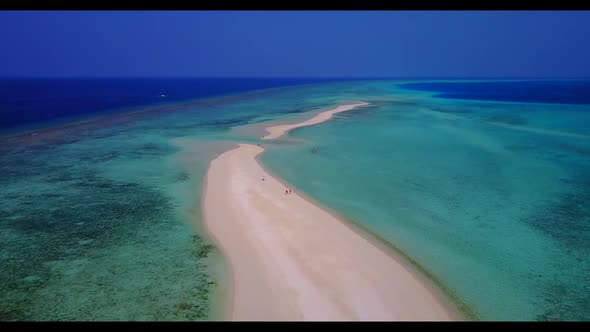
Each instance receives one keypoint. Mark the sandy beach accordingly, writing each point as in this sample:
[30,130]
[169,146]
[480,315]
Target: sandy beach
[280,130]
[289,259]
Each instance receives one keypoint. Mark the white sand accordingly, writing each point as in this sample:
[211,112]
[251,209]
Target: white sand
[280,130]
[291,260]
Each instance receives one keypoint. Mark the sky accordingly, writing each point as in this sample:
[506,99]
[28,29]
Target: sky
[295,43]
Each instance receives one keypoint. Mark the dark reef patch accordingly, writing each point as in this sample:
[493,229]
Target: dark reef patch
[507,119]
[563,303]
[566,220]
[182,177]
[75,245]
[453,110]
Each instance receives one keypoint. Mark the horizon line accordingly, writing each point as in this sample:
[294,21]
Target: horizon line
[292,77]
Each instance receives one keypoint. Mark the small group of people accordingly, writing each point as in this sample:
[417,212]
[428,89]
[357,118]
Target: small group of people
[287,191]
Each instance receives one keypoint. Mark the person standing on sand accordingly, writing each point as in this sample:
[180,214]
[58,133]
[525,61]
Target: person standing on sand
[286,192]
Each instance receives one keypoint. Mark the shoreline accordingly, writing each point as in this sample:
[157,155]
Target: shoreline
[296,258]
[458,310]
[277,131]
[227,304]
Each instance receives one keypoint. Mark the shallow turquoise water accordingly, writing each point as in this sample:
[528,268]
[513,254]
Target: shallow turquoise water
[100,221]
[490,198]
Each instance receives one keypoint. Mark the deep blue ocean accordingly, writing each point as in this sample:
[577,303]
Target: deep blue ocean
[26,102]
[30,102]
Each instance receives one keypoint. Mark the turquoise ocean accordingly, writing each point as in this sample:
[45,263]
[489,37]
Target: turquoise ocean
[486,195]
